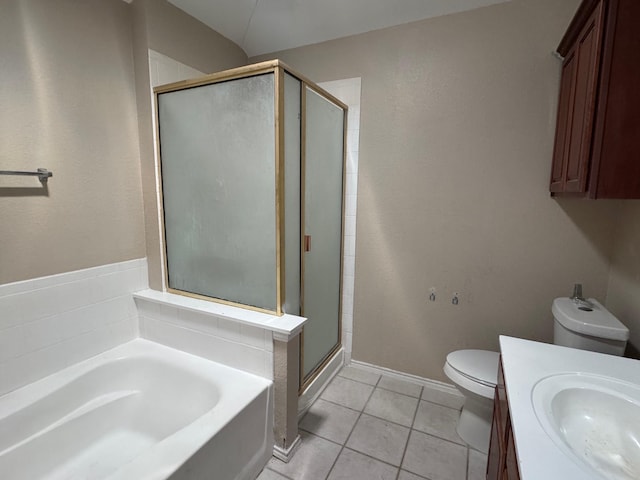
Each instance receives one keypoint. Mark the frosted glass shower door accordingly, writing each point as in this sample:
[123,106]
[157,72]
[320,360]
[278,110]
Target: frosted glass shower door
[323,184]
[218,179]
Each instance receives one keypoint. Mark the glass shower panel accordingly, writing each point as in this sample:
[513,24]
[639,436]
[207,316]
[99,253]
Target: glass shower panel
[323,224]
[218,177]
[292,194]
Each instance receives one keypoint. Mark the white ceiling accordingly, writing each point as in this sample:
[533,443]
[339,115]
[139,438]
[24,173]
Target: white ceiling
[265,26]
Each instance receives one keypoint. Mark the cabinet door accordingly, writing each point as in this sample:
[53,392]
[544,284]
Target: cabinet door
[495,462]
[511,467]
[617,125]
[563,126]
[576,108]
[587,57]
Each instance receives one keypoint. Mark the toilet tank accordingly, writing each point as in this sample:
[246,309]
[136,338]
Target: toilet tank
[594,328]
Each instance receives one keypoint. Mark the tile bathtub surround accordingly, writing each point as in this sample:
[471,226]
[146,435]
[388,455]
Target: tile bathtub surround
[245,347]
[396,433]
[49,323]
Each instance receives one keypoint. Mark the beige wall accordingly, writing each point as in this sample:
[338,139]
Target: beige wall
[160,26]
[623,295]
[181,37]
[68,104]
[457,125]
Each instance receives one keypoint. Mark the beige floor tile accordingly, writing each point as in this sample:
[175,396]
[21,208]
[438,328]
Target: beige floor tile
[378,438]
[392,406]
[355,466]
[347,393]
[359,375]
[400,386]
[446,399]
[328,420]
[270,475]
[477,465]
[434,458]
[438,420]
[404,475]
[312,461]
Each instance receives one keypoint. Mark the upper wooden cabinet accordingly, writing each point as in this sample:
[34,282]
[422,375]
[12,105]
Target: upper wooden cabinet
[597,144]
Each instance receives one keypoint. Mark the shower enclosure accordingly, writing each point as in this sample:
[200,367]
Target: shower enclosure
[252,184]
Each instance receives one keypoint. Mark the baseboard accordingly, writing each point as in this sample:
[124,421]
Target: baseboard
[285,454]
[315,388]
[427,382]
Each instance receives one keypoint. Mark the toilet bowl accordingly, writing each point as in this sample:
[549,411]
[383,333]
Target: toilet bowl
[583,324]
[475,374]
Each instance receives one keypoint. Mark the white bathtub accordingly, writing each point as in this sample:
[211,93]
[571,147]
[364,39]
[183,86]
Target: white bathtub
[139,411]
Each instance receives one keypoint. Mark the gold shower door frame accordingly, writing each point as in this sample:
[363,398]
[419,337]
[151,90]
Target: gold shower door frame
[279,69]
[306,380]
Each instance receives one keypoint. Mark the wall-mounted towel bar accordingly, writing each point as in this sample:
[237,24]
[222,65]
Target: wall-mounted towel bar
[43,174]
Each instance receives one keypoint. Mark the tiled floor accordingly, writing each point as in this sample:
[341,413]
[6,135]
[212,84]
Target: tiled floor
[370,427]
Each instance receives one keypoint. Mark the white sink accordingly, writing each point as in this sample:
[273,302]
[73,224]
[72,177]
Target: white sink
[593,419]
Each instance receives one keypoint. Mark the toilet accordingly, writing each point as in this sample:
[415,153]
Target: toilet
[581,324]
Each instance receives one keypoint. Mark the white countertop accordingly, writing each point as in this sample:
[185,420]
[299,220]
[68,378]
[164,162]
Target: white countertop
[525,363]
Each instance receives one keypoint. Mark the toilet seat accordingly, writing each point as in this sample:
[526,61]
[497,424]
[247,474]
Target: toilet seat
[475,370]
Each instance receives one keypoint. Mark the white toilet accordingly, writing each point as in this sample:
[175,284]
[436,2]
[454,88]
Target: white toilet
[581,324]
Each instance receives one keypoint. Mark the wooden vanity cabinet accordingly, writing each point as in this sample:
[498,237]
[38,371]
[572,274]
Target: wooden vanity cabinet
[497,448]
[511,462]
[597,143]
[502,463]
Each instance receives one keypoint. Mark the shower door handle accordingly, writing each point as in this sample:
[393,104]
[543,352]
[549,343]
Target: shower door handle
[307,243]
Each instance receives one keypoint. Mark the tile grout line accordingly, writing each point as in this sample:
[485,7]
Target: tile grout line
[441,438]
[367,413]
[276,472]
[411,427]
[440,404]
[390,391]
[353,428]
[359,381]
[413,421]
[463,444]
[377,385]
[320,436]
[332,403]
[401,393]
[361,413]
[355,451]
[316,435]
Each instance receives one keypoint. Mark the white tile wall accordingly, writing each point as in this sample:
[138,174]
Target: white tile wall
[51,322]
[348,90]
[240,346]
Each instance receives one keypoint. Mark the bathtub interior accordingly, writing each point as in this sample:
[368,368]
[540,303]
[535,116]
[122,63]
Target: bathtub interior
[141,410]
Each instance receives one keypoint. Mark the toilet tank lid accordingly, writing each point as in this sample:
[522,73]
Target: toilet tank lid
[479,364]
[597,323]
